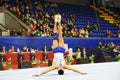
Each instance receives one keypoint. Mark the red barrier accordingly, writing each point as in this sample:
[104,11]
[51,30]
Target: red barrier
[39,55]
[12,57]
[50,55]
[26,56]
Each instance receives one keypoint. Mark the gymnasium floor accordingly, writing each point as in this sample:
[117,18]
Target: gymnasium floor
[96,71]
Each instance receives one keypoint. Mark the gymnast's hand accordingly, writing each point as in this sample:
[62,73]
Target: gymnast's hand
[36,75]
[83,73]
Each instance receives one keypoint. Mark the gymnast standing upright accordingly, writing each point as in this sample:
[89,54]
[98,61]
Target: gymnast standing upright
[58,50]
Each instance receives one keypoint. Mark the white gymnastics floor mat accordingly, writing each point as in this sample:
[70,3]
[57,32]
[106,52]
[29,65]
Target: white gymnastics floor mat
[96,71]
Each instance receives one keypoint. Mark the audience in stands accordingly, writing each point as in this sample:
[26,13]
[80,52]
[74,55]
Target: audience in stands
[41,22]
[109,47]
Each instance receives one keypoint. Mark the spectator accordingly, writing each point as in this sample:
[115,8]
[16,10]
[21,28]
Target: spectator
[25,49]
[44,53]
[100,45]
[109,34]
[70,25]
[81,33]
[78,55]
[13,32]
[19,33]
[11,50]
[28,33]
[3,55]
[73,18]
[86,33]
[3,50]
[118,33]
[91,28]
[84,53]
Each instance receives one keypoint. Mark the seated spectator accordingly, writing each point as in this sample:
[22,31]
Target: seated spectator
[109,34]
[54,5]
[28,33]
[84,53]
[11,50]
[91,28]
[47,4]
[19,33]
[3,50]
[78,53]
[3,55]
[105,46]
[100,45]
[44,53]
[86,33]
[119,34]
[117,21]
[116,49]
[87,26]
[13,32]
[73,18]
[81,33]
[25,49]
[70,25]
[63,19]
[74,32]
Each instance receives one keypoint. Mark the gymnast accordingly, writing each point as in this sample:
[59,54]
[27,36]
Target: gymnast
[58,50]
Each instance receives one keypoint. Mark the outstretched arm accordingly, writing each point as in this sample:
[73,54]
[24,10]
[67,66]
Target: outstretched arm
[73,69]
[47,70]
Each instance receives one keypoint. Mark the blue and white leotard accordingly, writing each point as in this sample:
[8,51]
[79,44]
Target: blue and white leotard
[58,49]
[59,55]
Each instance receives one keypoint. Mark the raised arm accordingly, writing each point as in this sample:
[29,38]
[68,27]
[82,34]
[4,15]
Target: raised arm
[45,71]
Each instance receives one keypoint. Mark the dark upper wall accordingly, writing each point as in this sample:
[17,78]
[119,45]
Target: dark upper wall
[114,3]
[86,2]
[77,2]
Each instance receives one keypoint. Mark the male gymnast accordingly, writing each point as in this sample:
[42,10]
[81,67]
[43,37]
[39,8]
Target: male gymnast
[58,50]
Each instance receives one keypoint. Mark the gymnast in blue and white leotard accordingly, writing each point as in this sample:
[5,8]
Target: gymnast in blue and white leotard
[58,50]
[59,56]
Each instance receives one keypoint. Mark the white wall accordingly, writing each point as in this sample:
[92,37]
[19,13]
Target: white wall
[2,18]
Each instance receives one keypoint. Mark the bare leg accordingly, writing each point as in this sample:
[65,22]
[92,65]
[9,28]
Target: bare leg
[55,42]
[60,37]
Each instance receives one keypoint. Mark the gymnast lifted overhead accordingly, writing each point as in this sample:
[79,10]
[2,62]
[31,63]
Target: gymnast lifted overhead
[58,50]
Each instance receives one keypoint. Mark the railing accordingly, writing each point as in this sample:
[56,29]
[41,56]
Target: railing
[39,42]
